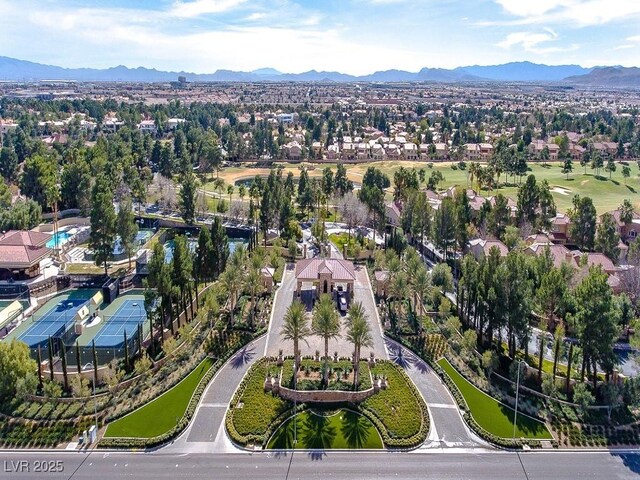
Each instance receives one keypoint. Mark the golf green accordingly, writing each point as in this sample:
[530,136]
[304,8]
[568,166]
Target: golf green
[493,416]
[343,429]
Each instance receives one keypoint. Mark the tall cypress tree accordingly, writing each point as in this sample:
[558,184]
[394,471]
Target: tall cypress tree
[50,352]
[39,367]
[78,358]
[63,358]
[95,363]
[126,353]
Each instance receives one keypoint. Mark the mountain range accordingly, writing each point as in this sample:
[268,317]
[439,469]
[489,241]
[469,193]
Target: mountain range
[12,69]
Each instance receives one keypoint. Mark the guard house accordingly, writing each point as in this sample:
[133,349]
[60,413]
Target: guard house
[325,275]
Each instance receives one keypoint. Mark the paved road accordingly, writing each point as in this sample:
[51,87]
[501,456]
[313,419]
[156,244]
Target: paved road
[206,433]
[286,294]
[448,430]
[320,465]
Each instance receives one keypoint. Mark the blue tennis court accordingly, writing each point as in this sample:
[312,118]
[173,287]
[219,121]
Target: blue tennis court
[125,319]
[53,323]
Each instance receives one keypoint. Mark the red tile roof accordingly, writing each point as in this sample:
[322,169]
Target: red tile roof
[22,248]
[311,268]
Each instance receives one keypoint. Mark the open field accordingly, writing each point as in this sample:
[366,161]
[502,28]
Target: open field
[491,415]
[606,193]
[162,414]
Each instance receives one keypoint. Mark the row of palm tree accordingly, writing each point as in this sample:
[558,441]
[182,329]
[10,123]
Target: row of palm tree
[325,322]
[408,279]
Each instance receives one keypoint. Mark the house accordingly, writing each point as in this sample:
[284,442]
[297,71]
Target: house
[410,151]
[442,151]
[472,151]
[362,151]
[626,231]
[560,227]
[21,252]
[481,248]
[292,151]
[486,150]
[325,275]
[287,117]
[333,152]
[173,123]
[393,214]
[596,259]
[348,151]
[6,126]
[559,253]
[148,126]
[377,152]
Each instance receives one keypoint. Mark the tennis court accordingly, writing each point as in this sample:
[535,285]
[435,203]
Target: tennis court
[128,312]
[55,318]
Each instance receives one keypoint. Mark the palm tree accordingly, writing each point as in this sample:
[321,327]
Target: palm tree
[296,328]
[358,333]
[231,279]
[421,284]
[230,190]
[254,287]
[399,289]
[326,324]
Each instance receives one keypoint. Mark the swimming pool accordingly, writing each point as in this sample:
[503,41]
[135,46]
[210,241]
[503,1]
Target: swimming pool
[62,238]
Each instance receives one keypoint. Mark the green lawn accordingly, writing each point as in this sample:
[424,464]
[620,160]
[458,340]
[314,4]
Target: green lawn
[490,414]
[344,429]
[162,414]
[607,194]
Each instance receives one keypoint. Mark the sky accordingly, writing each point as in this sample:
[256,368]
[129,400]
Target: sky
[351,36]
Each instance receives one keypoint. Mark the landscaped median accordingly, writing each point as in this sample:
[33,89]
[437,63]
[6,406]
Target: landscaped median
[489,418]
[397,412]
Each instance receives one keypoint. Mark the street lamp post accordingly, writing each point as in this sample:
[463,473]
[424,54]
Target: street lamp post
[515,416]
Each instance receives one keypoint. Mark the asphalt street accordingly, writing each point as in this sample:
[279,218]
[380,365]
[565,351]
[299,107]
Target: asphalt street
[322,465]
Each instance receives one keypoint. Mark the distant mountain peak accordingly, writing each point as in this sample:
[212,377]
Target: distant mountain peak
[524,71]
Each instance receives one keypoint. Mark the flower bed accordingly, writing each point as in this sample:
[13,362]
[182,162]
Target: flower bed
[310,375]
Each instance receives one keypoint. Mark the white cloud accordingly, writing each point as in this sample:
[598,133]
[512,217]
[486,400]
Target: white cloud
[578,13]
[635,39]
[197,8]
[624,46]
[527,40]
[255,16]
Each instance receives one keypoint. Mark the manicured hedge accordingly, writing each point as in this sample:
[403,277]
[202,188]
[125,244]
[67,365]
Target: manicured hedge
[399,412]
[253,412]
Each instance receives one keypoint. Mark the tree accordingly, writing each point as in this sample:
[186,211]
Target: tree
[182,271]
[595,322]
[103,222]
[610,167]
[583,397]
[202,268]
[52,389]
[8,164]
[220,247]
[499,216]
[254,286]
[15,363]
[296,328]
[40,179]
[462,218]
[326,324]
[528,200]
[583,222]
[127,227]
[444,226]
[442,277]
[626,173]
[490,362]
[341,183]
[143,364]
[607,238]
[352,211]
[359,334]
[567,166]
[626,211]
[26,386]
[188,191]
[80,387]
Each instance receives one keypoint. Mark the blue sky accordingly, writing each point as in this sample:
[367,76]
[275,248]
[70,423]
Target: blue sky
[351,36]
